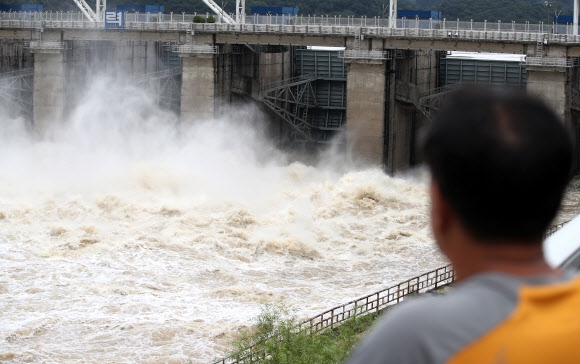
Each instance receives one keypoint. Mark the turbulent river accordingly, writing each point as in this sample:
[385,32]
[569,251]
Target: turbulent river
[123,240]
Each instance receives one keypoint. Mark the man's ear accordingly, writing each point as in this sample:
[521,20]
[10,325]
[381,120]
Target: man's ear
[441,213]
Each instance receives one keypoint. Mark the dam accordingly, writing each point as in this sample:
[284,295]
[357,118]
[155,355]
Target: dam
[146,208]
[392,74]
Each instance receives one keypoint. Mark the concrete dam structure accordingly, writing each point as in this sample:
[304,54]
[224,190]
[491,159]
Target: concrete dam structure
[379,91]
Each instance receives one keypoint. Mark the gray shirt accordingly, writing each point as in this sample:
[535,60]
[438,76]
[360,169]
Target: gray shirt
[432,329]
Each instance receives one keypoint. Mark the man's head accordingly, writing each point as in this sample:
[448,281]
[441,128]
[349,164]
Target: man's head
[500,160]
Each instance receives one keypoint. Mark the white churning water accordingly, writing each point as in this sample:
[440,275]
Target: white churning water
[123,240]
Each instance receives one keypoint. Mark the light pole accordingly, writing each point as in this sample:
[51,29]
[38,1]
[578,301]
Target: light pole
[548,5]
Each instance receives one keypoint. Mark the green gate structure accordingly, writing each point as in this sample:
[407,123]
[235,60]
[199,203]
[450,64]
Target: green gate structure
[329,87]
[490,72]
[456,71]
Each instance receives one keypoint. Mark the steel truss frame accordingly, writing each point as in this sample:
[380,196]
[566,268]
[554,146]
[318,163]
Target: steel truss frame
[292,101]
[431,101]
[166,87]
[16,91]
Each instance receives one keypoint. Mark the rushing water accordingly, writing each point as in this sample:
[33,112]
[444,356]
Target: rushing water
[123,240]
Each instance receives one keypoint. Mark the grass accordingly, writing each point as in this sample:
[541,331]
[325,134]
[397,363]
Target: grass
[277,339]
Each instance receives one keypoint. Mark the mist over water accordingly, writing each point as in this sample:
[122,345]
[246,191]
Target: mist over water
[128,237]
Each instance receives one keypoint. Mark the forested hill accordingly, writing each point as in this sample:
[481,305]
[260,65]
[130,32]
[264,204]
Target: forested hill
[478,10]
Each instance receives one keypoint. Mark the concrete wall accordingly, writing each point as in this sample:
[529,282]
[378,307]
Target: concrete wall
[252,71]
[274,67]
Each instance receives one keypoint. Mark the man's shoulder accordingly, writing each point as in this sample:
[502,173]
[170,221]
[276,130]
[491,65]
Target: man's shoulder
[465,302]
[430,328]
[434,312]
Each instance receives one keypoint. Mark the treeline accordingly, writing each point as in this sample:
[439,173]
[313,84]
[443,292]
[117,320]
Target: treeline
[504,10]
[478,10]
[494,10]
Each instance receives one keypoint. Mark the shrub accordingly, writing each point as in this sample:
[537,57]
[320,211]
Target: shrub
[198,19]
[210,19]
[275,332]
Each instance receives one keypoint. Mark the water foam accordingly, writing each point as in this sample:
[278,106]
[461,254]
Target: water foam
[127,237]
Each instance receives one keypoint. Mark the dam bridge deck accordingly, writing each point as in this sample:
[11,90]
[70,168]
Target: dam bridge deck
[299,30]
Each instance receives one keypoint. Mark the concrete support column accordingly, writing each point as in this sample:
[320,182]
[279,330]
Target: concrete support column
[365,110]
[555,87]
[552,85]
[48,105]
[198,87]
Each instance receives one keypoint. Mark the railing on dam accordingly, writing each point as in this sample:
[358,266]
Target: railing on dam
[309,25]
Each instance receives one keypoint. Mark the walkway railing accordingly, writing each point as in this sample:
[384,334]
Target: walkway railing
[372,303]
[360,54]
[315,26]
[314,20]
[375,302]
[552,62]
[195,49]
[45,45]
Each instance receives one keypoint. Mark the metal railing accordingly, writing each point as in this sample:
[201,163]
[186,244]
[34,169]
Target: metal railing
[321,25]
[195,48]
[322,20]
[359,54]
[552,62]
[45,45]
[372,303]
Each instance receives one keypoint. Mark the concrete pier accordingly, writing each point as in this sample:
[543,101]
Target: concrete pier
[48,96]
[365,111]
[552,84]
[198,87]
